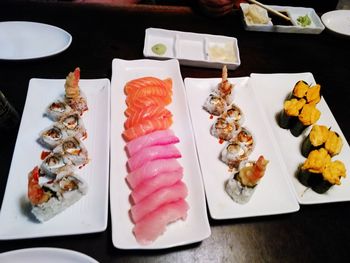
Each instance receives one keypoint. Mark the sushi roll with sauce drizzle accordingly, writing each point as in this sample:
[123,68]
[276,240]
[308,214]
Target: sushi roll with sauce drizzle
[55,163]
[234,114]
[242,184]
[215,105]
[57,109]
[233,154]
[73,125]
[52,136]
[74,96]
[321,136]
[53,197]
[73,149]
[224,130]
[246,139]
[319,172]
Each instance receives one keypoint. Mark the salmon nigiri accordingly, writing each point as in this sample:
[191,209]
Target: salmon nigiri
[152,112]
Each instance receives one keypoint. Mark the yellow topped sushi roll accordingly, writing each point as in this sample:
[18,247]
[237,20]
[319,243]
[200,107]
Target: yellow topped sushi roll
[321,136]
[319,172]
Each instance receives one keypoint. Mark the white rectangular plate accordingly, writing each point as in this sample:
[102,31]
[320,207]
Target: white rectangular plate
[272,89]
[89,214]
[316,26]
[196,227]
[192,49]
[274,193]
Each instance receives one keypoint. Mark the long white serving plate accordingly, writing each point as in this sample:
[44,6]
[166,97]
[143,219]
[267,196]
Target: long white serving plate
[196,227]
[274,194]
[271,91]
[89,214]
[193,49]
[316,26]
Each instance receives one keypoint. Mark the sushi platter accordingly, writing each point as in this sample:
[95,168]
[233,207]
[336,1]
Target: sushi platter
[196,226]
[281,85]
[274,194]
[88,215]
[192,49]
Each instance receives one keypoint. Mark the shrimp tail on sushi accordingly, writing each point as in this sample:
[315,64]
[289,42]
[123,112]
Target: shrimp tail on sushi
[53,197]
[242,184]
[225,88]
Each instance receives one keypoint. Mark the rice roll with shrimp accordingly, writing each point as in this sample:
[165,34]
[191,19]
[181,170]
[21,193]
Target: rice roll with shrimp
[73,125]
[215,105]
[233,154]
[234,114]
[245,138]
[74,150]
[242,184]
[74,96]
[52,136]
[55,163]
[51,198]
[57,109]
[224,130]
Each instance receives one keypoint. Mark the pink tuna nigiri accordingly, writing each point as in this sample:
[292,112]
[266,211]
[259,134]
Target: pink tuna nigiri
[153,153]
[161,137]
[152,169]
[151,185]
[156,199]
[154,224]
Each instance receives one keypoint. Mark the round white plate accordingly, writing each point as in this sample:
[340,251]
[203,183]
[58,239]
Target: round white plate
[21,40]
[337,21]
[44,255]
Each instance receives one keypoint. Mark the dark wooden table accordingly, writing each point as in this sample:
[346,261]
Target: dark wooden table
[317,233]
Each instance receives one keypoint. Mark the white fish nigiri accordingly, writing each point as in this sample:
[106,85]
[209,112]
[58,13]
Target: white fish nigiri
[152,153]
[153,184]
[161,197]
[161,137]
[152,169]
[154,224]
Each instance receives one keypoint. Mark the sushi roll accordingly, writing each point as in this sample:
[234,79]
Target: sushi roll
[321,136]
[53,197]
[215,105]
[73,125]
[319,172]
[73,149]
[309,115]
[291,110]
[224,130]
[234,114]
[54,163]
[246,139]
[52,136]
[242,184]
[233,154]
[57,109]
[74,97]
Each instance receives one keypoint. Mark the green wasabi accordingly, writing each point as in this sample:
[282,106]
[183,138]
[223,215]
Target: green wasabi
[304,21]
[159,49]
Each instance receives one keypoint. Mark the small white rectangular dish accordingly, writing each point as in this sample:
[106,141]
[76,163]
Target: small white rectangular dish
[89,214]
[274,194]
[196,226]
[280,85]
[315,27]
[192,49]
